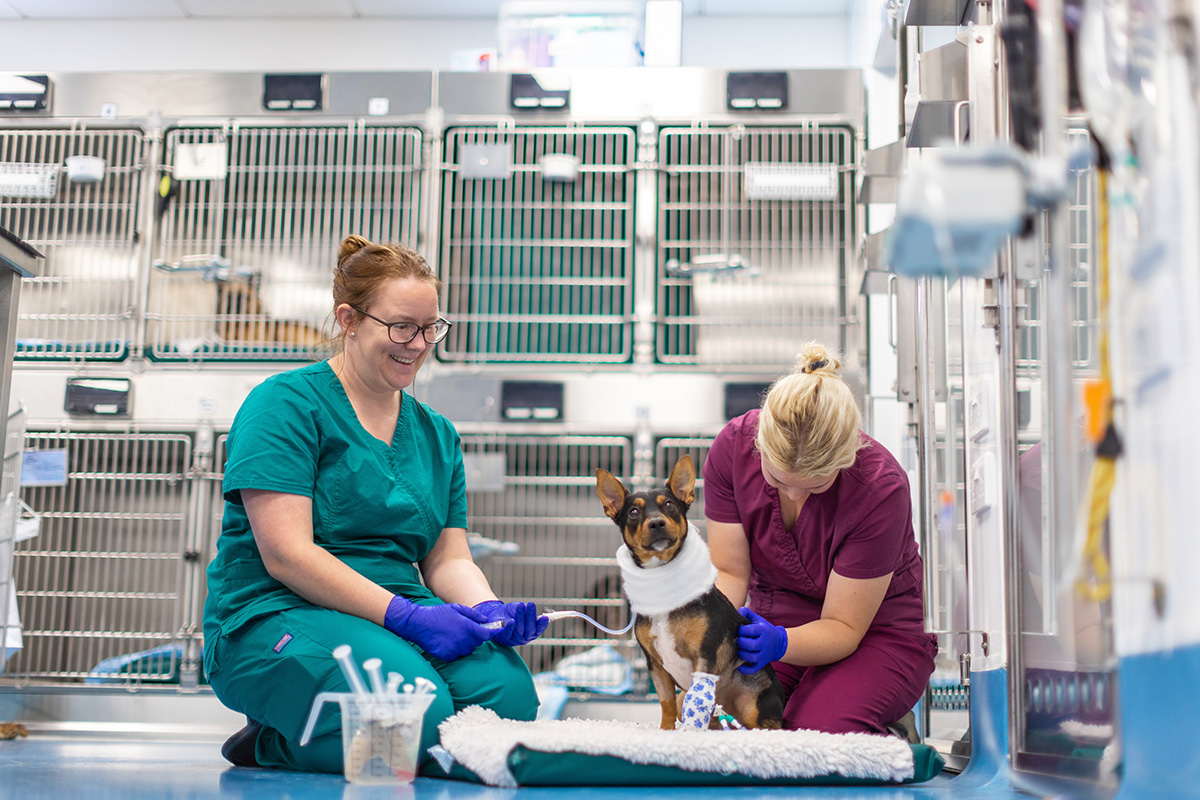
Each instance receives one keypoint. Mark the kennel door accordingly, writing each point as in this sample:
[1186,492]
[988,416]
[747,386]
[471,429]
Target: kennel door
[102,581]
[74,195]
[537,239]
[756,242]
[251,220]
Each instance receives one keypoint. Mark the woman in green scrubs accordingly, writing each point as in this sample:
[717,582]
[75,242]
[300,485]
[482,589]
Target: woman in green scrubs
[345,523]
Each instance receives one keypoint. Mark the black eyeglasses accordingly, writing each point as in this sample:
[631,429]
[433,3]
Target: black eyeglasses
[405,332]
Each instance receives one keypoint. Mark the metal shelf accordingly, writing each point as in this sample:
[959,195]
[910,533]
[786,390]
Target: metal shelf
[935,12]
[942,110]
[882,168]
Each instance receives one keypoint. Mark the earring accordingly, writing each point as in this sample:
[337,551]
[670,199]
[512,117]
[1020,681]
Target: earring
[352,333]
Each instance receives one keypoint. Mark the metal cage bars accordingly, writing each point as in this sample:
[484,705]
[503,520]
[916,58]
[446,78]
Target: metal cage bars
[538,267]
[105,579]
[1081,256]
[112,590]
[745,275]
[244,262]
[537,262]
[84,303]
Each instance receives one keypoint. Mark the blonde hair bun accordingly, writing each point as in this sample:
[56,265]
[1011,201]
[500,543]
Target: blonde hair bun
[809,422]
[814,358]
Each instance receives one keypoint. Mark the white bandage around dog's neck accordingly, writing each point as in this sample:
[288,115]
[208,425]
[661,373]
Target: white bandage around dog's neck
[666,587]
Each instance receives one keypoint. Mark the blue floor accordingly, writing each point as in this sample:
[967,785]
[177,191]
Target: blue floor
[65,767]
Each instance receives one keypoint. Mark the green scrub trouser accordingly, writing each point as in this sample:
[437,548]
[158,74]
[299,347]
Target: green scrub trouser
[272,669]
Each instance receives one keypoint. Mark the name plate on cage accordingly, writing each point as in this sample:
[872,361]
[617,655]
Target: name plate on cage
[485,472]
[772,181]
[28,180]
[197,161]
[44,467]
[485,161]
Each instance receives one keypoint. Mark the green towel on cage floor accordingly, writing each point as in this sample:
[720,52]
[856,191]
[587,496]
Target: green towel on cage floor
[588,752]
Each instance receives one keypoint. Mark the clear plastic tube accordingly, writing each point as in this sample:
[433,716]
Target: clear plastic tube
[553,615]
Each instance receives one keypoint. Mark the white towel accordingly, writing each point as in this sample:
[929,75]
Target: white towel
[481,741]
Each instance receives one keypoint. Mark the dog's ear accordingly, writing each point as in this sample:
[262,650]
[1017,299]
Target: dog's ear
[612,492]
[682,482]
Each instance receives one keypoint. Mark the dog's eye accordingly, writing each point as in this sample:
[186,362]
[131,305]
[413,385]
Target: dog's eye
[634,512]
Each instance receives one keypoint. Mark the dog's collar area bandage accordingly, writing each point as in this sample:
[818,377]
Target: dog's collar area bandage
[669,586]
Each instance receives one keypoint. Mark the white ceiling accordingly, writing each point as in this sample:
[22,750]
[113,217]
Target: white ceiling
[64,10]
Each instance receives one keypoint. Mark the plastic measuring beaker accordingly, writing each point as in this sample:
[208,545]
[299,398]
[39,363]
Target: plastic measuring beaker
[381,733]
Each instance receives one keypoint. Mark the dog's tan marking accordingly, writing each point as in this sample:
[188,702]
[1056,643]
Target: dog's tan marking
[689,632]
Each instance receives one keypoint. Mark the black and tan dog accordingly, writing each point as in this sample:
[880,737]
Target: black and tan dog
[683,622]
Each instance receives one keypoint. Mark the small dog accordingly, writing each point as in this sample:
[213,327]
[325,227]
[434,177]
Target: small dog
[683,623]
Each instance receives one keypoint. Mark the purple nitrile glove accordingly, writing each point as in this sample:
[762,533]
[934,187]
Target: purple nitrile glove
[447,631]
[759,642]
[521,621]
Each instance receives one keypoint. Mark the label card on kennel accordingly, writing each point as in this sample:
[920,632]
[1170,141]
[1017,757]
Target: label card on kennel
[485,161]
[44,467]
[97,397]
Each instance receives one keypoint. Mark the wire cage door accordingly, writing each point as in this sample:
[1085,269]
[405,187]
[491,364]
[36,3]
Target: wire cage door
[756,236]
[539,533]
[74,194]
[537,238]
[100,587]
[250,223]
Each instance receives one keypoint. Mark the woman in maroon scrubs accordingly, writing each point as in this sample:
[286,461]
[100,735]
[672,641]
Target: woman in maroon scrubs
[811,519]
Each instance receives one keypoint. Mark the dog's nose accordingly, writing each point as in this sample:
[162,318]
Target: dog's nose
[656,527]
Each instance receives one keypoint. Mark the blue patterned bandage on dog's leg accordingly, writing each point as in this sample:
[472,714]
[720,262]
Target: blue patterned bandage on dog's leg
[698,702]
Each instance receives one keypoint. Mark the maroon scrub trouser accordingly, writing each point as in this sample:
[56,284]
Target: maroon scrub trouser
[865,692]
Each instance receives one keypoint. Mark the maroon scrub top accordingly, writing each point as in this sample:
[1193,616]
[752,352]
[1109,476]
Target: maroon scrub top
[861,527]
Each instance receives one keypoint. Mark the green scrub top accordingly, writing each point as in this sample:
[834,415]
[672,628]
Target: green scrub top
[377,508]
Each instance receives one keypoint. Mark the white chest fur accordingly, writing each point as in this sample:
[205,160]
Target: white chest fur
[679,667]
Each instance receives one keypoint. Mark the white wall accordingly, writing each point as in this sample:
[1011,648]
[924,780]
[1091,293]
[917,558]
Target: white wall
[390,44]
[238,45]
[766,42]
